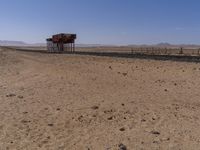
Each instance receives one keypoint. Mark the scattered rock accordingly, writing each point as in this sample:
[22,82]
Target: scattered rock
[58,109]
[123,104]
[50,124]
[25,121]
[166,90]
[122,147]
[155,132]
[20,97]
[95,107]
[11,95]
[155,142]
[110,67]
[122,129]
[125,74]
[80,118]
[110,118]
[165,139]
[108,111]
[143,120]
[25,112]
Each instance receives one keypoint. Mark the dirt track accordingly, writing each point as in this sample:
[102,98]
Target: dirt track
[74,102]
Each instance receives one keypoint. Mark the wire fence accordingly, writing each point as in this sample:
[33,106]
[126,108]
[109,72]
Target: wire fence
[144,50]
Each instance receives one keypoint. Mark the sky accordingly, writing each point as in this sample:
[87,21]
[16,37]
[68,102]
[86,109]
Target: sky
[117,22]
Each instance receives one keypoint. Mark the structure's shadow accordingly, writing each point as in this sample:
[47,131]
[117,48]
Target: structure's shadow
[32,50]
[182,58]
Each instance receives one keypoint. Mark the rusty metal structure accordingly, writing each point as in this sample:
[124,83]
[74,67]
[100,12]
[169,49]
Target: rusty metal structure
[61,42]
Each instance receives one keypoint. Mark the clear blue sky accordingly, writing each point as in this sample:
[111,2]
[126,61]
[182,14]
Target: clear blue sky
[102,21]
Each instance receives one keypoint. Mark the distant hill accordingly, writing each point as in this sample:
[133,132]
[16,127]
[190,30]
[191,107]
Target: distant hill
[167,45]
[19,43]
[164,44]
[12,43]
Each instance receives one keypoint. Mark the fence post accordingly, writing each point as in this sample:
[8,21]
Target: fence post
[181,51]
[132,51]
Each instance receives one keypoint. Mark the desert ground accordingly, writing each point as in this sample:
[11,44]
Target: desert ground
[77,102]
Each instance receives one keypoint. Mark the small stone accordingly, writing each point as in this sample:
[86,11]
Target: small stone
[11,95]
[58,109]
[110,67]
[155,132]
[110,118]
[122,147]
[123,104]
[95,107]
[25,121]
[50,124]
[122,129]
[20,97]
[80,117]
[166,90]
[155,142]
[125,74]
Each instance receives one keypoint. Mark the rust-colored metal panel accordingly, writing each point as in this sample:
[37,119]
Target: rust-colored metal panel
[64,38]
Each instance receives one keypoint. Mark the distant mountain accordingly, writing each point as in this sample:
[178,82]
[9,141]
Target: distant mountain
[94,45]
[163,44]
[19,43]
[12,43]
[167,45]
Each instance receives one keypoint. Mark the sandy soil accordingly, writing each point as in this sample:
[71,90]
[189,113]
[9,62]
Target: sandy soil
[71,102]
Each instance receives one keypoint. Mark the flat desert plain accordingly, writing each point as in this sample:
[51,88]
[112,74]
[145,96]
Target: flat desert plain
[73,102]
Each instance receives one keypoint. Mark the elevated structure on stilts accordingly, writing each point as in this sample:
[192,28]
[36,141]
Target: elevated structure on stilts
[61,42]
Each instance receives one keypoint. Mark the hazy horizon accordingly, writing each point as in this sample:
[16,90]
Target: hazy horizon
[112,22]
